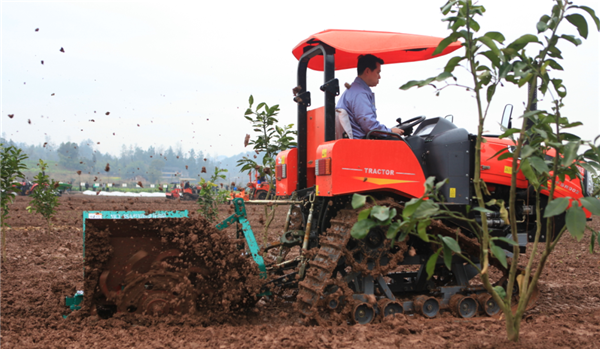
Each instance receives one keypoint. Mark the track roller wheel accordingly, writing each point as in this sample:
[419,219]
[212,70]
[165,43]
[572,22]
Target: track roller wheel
[388,307]
[488,304]
[463,306]
[363,313]
[427,306]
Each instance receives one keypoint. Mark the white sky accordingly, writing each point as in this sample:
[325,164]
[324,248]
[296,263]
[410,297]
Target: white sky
[183,70]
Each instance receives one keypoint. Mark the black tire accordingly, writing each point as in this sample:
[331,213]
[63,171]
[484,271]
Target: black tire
[261,195]
[189,197]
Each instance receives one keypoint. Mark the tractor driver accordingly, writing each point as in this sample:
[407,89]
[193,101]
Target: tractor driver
[359,101]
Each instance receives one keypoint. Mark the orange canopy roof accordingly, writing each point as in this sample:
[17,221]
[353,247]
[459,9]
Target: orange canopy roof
[391,47]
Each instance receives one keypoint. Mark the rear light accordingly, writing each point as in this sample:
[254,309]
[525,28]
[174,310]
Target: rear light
[281,171]
[323,167]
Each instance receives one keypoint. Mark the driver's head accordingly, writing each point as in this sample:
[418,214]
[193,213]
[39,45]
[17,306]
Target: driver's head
[368,68]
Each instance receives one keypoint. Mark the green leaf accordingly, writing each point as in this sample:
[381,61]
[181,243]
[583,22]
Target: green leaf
[521,42]
[538,164]
[541,27]
[361,228]
[552,63]
[491,44]
[410,207]
[500,291]
[527,151]
[430,267]
[497,36]
[251,100]
[576,221]
[580,23]
[381,213]
[570,153]
[358,201]
[492,57]
[482,209]
[556,207]
[392,214]
[429,183]
[364,214]
[592,204]
[393,230]
[440,184]
[422,229]
[592,14]
[451,243]
[529,173]
[499,253]
[572,39]
[410,84]
[448,257]
[507,240]
[427,209]
[508,133]
[524,80]
[452,63]
[403,234]
[444,43]
[447,7]
[573,124]
[490,92]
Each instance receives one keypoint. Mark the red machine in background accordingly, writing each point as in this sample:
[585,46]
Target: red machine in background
[184,192]
[259,188]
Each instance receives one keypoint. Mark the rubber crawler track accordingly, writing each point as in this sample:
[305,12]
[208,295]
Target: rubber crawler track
[323,264]
[333,247]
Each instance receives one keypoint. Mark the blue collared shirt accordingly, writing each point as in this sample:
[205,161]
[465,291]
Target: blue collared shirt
[359,102]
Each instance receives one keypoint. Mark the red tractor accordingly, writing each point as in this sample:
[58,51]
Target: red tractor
[334,277]
[259,188]
[184,192]
[362,279]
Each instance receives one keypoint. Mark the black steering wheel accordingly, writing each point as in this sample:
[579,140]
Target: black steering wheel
[407,125]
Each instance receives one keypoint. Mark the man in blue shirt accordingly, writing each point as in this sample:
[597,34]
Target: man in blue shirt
[359,101]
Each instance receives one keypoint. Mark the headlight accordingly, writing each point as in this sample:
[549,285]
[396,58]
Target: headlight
[588,183]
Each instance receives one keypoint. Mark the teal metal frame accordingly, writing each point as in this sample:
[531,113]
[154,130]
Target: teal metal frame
[129,215]
[73,302]
[239,217]
[244,228]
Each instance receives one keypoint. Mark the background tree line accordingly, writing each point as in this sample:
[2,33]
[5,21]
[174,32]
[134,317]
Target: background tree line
[154,164]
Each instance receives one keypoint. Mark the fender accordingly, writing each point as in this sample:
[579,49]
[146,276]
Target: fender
[360,165]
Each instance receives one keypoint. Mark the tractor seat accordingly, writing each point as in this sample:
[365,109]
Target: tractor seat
[343,128]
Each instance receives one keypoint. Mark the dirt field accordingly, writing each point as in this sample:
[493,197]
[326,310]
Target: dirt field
[45,266]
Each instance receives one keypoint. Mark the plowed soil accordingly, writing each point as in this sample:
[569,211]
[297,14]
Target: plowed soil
[45,265]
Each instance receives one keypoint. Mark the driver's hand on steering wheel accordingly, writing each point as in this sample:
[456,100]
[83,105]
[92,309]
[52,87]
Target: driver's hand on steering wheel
[398,130]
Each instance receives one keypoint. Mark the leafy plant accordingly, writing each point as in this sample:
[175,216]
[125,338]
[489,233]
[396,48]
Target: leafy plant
[542,151]
[44,196]
[209,195]
[271,139]
[12,168]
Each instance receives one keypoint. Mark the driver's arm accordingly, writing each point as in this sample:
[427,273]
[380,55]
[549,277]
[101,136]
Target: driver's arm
[398,130]
[365,114]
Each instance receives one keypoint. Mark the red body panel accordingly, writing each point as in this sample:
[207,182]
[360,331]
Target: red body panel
[316,137]
[370,165]
[498,172]
[286,186]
